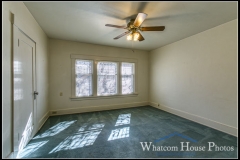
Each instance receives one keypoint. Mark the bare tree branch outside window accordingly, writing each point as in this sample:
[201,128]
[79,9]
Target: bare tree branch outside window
[83,71]
[107,78]
[127,78]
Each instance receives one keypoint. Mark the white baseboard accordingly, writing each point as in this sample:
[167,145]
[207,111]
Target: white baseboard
[12,155]
[205,121]
[96,108]
[202,120]
[43,120]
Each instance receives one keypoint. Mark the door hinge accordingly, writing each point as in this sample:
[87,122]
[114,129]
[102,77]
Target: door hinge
[35,93]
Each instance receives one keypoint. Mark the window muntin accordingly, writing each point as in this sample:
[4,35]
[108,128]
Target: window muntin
[127,76]
[106,78]
[84,72]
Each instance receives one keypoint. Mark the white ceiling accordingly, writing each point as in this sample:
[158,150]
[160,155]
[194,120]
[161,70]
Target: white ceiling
[85,21]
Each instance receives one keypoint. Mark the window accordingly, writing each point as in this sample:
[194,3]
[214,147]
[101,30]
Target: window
[83,71]
[127,78]
[106,78]
[97,77]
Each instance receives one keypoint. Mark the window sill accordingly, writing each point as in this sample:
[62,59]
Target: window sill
[103,97]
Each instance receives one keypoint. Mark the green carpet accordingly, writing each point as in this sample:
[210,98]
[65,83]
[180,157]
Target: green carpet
[119,133]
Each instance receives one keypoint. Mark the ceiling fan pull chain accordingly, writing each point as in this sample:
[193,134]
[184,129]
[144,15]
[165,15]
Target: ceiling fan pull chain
[132,46]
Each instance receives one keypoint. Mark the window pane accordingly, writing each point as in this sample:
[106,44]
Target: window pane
[83,66]
[83,71]
[127,68]
[107,84]
[127,78]
[107,68]
[83,85]
[107,78]
[127,84]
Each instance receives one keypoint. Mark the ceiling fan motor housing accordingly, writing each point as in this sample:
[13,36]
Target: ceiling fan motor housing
[131,27]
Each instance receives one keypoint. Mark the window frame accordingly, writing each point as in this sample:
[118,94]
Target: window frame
[95,60]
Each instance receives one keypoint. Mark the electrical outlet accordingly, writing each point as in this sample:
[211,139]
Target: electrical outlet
[54,112]
[61,94]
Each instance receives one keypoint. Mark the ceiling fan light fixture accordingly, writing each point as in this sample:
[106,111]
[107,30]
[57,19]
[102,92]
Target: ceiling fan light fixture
[135,36]
[129,37]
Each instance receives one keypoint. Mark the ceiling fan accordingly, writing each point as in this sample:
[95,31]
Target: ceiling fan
[134,26]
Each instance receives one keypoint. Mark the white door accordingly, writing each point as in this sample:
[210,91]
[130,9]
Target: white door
[23,88]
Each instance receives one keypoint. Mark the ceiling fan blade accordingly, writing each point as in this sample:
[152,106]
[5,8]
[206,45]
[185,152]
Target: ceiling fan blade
[140,18]
[153,28]
[116,26]
[125,33]
[140,38]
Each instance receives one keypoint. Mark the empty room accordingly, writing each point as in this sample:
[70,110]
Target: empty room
[119,79]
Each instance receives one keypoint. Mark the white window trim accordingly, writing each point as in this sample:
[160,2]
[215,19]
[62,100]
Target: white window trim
[95,59]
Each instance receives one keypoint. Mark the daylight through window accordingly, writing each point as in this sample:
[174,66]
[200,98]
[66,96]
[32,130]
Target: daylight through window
[83,71]
[127,78]
[107,78]
[103,77]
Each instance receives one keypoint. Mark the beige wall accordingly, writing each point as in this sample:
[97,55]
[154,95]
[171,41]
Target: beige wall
[197,77]
[25,21]
[60,74]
